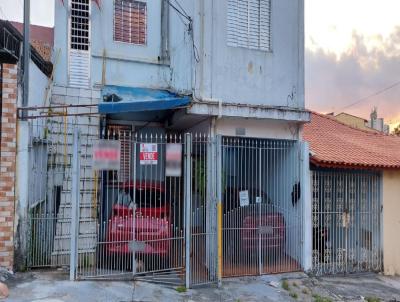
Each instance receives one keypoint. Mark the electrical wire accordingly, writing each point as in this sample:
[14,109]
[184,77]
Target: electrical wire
[372,95]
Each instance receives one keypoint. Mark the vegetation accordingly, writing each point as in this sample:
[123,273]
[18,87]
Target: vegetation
[305,291]
[318,298]
[181,289]
[294,295]
[285,285]
[372,299]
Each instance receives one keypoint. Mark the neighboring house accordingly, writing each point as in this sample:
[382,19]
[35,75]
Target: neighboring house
[152,73]
[12,227]
[42,39]
[353,121]
[373,125]
[355,198]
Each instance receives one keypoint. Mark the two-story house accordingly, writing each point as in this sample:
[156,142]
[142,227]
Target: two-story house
[231,71]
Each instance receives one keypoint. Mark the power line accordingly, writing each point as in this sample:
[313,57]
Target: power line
[372,95]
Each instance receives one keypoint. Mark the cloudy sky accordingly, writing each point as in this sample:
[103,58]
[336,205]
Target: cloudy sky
[352,55]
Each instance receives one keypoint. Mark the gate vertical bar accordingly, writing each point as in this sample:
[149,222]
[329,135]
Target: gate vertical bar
[75,205]
[187,204]
[219,208]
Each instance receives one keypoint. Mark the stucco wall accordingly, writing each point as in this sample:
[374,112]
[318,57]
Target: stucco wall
[391,222]
[230,74]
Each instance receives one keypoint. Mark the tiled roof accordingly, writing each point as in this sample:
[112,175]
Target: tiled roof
[42,38]
[334,144]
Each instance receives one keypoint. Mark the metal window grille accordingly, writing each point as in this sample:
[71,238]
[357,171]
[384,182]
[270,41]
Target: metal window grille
[130,21]
[80,24]
[249,24]
[123,134]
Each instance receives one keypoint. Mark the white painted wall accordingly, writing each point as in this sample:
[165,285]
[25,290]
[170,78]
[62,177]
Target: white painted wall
[38,82]
[231,74]
[249,76]
[257,128]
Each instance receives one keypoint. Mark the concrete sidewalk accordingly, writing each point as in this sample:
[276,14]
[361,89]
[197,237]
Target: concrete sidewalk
[54,287]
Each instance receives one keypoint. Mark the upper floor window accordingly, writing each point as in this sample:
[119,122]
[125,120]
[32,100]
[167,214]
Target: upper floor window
[249,24]
[80,24]
[130,21]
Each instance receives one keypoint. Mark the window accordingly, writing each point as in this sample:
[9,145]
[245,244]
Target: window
[249,24]
[124,135]
[80,24]
[130,21]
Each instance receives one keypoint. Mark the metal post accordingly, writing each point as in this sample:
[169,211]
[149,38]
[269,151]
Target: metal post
[219,207]
[27,47]
[188,204]
[75,196]
[305,192]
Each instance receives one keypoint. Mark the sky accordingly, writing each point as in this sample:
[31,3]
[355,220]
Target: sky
[352,52]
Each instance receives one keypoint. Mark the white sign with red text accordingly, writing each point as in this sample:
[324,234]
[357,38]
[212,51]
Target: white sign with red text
[106,155]
[148,154]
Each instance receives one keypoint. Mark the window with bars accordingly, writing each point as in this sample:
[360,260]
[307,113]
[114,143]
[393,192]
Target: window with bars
[249,24]
[80,24]
[130,21]
[123,133]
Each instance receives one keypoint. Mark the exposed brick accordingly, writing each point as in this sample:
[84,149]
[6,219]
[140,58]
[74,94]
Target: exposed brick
[8,164]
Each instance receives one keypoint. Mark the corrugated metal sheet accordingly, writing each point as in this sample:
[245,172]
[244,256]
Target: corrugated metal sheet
[249,24]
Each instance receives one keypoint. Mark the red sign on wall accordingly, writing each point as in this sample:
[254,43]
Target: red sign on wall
[148,154]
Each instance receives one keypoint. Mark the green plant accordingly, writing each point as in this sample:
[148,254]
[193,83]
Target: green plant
[181,289]
[285,285]
[318,298]
[293,295]
[372,299]
[305,291]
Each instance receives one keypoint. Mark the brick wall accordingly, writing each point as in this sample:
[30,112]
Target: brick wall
[8,165]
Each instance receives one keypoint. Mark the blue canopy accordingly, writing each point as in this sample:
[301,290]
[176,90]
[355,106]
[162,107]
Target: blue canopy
[118,99]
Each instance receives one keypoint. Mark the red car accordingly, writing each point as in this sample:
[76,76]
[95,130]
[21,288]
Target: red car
[150,228]
[253,222]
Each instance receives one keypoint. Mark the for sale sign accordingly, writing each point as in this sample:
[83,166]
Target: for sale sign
[106,155]
[148,154]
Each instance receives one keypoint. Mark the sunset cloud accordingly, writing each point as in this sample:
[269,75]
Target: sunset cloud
[369,64]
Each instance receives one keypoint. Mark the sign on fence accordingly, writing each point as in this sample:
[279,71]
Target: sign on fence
[148,154]
[106,155]
[173,165]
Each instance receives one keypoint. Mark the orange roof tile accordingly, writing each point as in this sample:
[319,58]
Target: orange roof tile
[334,144]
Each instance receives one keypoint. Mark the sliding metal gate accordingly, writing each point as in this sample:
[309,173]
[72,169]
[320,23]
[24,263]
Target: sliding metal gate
[346,221]
[262,207]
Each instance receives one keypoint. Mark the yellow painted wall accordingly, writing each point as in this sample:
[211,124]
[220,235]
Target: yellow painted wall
[391,222]
[352,121]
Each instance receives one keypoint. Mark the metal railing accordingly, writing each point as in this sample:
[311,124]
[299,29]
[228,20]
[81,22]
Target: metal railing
[346,221]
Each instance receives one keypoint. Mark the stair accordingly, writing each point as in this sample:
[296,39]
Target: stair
[59,162]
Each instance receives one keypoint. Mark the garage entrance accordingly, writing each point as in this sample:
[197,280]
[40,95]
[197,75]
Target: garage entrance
[262,206]
[346,221]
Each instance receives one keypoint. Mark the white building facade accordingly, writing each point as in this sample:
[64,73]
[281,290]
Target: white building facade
[227,78]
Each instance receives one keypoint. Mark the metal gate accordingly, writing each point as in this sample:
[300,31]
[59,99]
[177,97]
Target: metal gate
[139,210]
[262,207]
[346,221]
[155,216]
